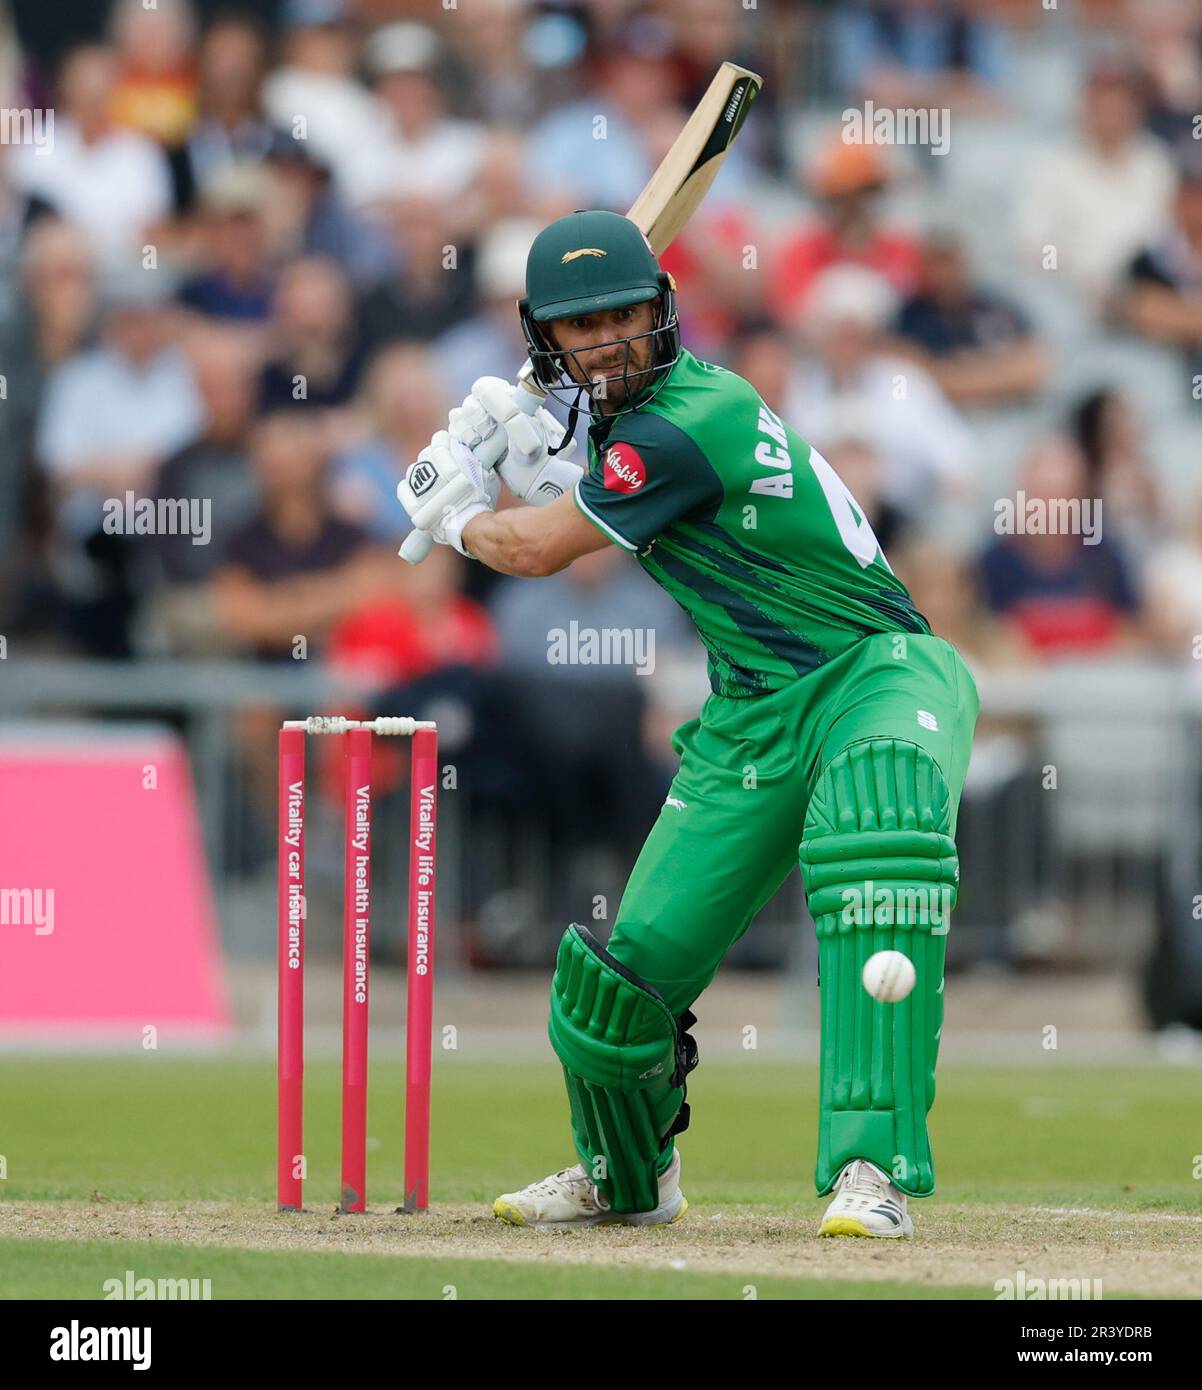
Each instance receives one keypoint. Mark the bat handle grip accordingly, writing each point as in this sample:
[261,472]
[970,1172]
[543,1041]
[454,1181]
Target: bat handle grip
[416,546]
[529,395]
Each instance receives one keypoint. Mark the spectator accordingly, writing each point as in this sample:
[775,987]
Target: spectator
[1162,296]
[913,53]
[592,781]
[53,319]
[432,288]
[945,590]
[1118,471]
[315,358]
[114,184]
[978,347]
[315,94]
[849,179]
[597,593]
[499,192]
[764,356]
[111,414]
[54,316]
[1175,592]
[1166,40]
[313,219]
[237,280]
[430,627]
[419,150]
[593,152]
[295,569]
[1098,199]
[231,126]
[494,73]
[403,405]
[1057,595]
[215,466]
[852,384]
[705,33]
[490,343]
[155,91]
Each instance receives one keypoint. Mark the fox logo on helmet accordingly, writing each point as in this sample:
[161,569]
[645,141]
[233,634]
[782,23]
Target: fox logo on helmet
[421,477]
[625,470]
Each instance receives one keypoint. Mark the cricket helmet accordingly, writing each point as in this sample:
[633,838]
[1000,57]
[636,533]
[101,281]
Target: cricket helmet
[586,263]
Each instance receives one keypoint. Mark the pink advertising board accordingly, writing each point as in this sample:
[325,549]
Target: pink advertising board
[107,922]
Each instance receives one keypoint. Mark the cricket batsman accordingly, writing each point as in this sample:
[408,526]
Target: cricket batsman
[837,731]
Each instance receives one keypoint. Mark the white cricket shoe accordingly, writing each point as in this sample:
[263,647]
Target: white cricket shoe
[866,1204]
[570,1198]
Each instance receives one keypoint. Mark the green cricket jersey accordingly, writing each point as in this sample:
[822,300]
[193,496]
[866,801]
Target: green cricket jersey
[745,525]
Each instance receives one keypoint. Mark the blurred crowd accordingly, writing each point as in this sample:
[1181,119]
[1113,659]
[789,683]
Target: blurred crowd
[270,245]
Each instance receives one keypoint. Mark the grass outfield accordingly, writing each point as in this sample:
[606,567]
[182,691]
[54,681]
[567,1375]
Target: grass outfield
[77,1270]
[145,1163]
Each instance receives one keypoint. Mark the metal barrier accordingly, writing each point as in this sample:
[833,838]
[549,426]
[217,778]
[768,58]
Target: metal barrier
[1080,820]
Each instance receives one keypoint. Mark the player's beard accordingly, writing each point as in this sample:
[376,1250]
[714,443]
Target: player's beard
[612,386]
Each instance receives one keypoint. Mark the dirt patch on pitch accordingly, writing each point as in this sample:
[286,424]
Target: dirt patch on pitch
[1132,1253]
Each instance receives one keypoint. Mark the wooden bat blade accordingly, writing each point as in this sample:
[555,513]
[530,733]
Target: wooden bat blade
[687,170]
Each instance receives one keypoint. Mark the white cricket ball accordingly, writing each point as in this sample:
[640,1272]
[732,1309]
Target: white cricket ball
[889,976]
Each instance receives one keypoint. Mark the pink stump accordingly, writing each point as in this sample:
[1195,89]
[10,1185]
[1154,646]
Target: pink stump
[356,948]
[423,821]
[291,971]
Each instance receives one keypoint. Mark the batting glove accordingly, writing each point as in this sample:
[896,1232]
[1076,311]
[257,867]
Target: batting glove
[504,436]
[445,488]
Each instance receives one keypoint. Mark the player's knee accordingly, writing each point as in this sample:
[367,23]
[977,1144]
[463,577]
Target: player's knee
[877,848]
[665,956]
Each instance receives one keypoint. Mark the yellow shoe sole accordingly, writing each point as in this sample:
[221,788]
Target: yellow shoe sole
[508,1212]
[842,1226]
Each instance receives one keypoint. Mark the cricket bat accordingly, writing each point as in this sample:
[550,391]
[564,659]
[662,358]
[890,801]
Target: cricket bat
[665,204]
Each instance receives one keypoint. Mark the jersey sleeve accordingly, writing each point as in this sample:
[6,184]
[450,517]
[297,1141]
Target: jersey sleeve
[648,474]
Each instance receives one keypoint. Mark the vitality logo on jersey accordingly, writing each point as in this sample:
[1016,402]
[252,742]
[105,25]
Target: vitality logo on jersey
[625,470]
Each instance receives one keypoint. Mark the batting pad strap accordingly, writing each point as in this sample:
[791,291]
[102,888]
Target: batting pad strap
[625,1058]
[880,871]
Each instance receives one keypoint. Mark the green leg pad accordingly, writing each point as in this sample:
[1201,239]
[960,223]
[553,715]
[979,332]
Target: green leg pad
[625,1057]
[880,872]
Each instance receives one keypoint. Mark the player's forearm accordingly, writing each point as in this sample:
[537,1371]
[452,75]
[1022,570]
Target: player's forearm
[512,542]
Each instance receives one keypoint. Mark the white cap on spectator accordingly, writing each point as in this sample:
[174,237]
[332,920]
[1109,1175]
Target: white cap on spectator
[401,47]
[849,293]
[501,269]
